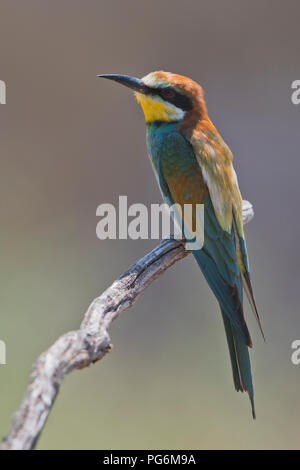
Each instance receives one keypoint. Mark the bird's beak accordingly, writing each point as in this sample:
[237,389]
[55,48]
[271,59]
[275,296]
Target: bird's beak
[131,82]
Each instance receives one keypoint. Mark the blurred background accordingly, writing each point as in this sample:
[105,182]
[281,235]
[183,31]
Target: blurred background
[70,142]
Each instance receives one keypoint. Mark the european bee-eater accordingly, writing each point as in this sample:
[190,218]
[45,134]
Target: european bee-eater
[193,165]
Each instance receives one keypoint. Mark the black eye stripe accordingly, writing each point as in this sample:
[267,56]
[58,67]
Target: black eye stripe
[167,93]
[180,101]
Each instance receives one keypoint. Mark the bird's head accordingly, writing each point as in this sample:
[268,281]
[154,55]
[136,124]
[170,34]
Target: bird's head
[165,96]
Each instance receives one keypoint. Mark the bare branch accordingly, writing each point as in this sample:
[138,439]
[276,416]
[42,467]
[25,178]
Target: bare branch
[80,348]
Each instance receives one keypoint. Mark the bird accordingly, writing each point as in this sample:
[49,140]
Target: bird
[193,165]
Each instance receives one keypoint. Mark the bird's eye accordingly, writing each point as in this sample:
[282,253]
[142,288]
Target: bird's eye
[168,93]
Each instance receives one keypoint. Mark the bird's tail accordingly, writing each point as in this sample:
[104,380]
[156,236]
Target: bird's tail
[240,361]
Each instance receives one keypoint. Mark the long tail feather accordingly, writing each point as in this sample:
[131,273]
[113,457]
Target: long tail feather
[240,361]
[229,297]
[249,292]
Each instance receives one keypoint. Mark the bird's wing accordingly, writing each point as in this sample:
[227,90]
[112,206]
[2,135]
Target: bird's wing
[242,250]
[215,160]
[181,181]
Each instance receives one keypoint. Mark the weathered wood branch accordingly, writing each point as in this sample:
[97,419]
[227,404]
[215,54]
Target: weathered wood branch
[80,348]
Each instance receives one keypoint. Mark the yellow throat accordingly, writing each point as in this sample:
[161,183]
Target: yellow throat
[155,109]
